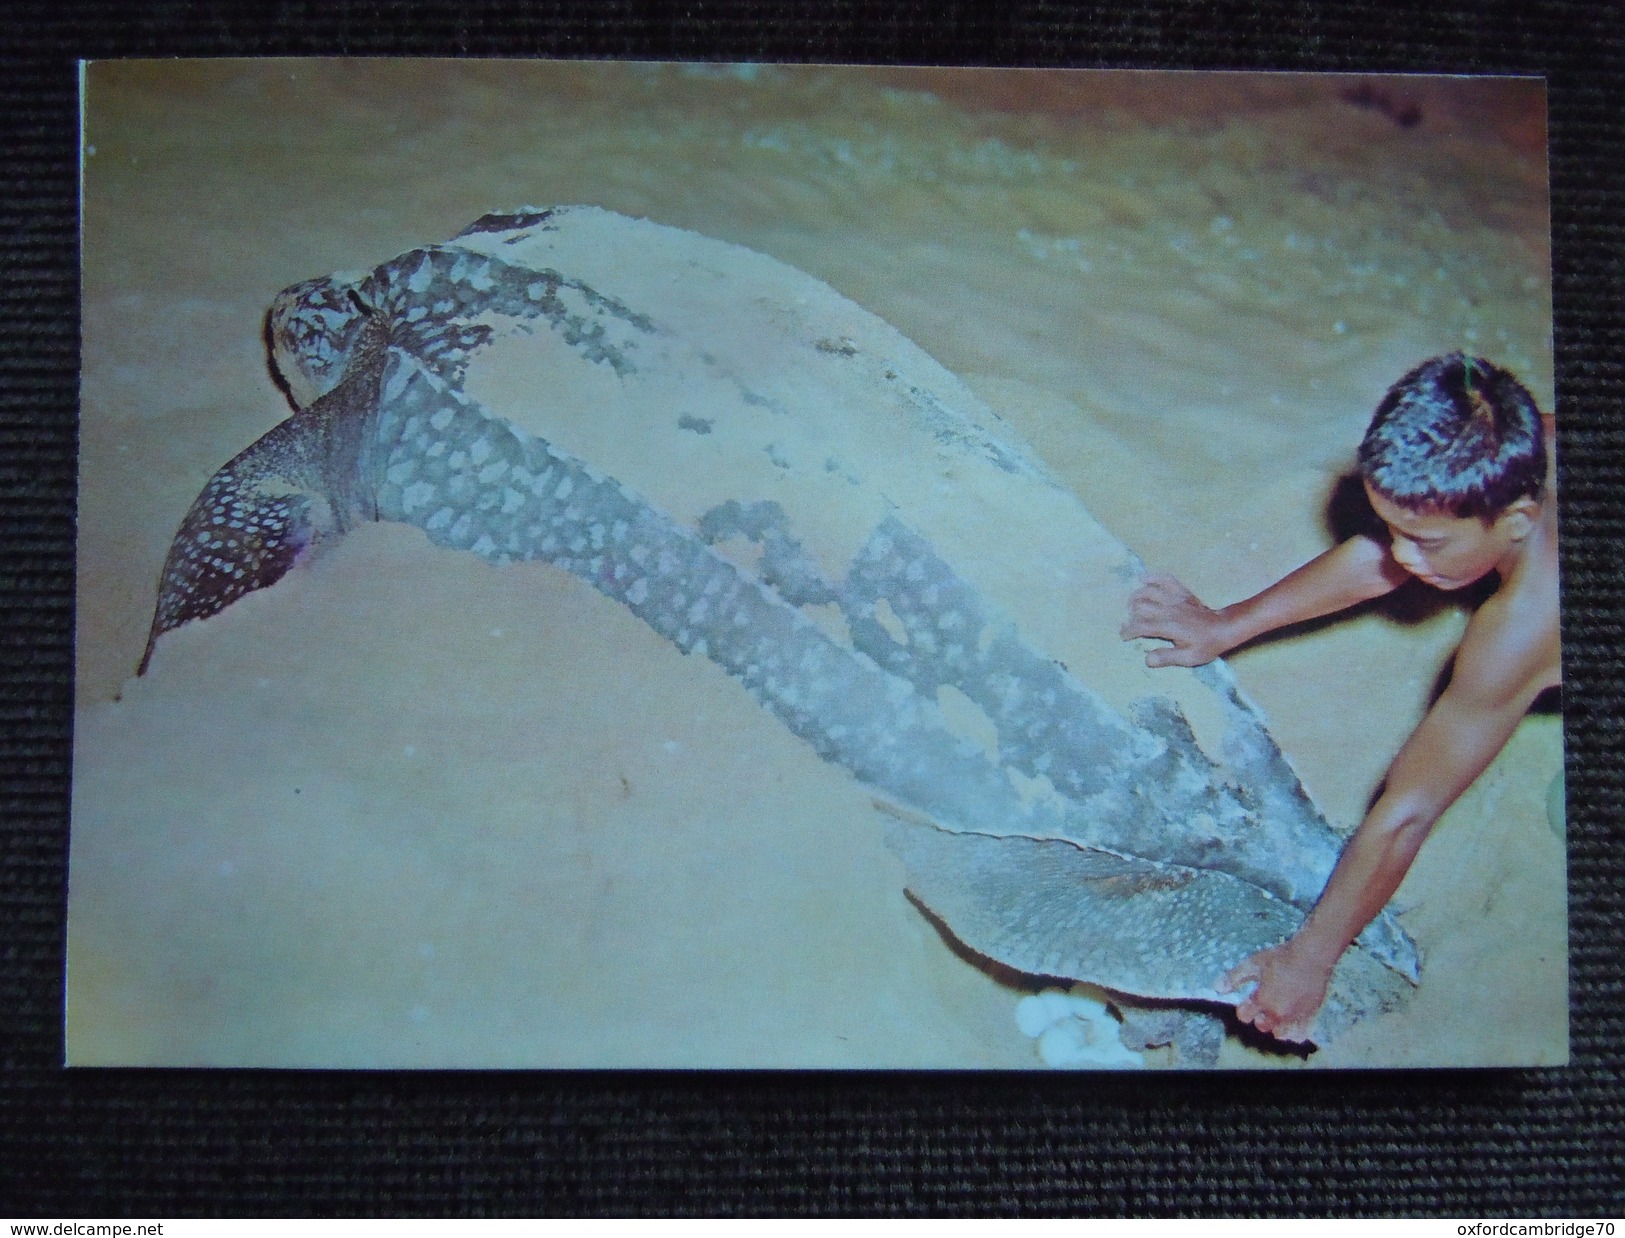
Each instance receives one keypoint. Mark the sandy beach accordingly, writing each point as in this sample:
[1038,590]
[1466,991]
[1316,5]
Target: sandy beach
[410,809]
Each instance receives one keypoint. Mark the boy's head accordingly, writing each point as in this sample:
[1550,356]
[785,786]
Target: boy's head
[1454,462]
[1456,435]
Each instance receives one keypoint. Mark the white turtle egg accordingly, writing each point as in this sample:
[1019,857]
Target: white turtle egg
[1038,1011]
[1085,1042]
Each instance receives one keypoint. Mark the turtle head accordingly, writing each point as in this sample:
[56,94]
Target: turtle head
[314,331]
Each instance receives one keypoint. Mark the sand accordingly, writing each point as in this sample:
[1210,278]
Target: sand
[363,818]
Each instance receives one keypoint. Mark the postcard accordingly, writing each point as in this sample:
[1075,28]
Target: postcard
[620,565]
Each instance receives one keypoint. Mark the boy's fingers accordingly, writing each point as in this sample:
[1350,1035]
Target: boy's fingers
[1153,587]
[1141,625]
[1251,1010]
[1139,600]
[1166,587]
[1248,1012]
[1175,655]
[1147,621]
[1244,972]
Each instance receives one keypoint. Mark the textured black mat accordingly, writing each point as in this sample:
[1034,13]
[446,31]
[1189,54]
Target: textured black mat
[175,1143]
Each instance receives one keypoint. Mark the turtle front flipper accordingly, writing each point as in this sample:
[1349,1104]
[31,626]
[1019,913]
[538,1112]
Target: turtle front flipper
[307,479]
[243,532]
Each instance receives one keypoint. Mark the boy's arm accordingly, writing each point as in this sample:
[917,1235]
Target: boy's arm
[1353,571]
[1494,684]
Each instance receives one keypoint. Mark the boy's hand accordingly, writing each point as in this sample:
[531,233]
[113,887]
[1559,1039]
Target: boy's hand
[1164,609]
[1290,987]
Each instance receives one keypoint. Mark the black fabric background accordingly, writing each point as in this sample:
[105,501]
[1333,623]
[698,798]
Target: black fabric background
[173,1143]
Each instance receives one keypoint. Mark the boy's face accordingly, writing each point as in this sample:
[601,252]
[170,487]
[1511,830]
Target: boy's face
[1447,551]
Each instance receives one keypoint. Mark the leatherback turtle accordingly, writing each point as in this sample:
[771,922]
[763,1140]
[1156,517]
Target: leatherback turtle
[772,477]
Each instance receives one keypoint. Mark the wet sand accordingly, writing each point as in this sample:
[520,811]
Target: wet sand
[362,818]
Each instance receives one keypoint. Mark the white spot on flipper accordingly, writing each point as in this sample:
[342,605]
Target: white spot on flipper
[967,719]
[887,618]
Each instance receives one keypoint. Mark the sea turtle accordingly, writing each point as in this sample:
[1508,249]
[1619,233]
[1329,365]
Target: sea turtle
[770,476]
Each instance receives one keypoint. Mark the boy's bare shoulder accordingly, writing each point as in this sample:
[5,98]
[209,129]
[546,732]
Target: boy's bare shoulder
[1512,648]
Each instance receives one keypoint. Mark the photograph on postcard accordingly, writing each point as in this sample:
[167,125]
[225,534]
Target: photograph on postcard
[619,565]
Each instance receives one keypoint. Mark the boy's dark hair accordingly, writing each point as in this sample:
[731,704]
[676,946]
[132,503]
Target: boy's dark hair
[1456,434]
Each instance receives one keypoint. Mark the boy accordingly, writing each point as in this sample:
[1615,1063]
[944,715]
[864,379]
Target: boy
[1457,464]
